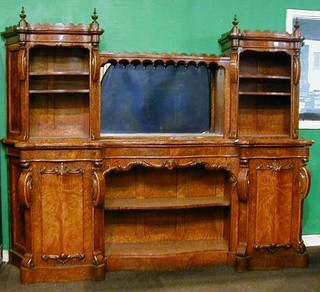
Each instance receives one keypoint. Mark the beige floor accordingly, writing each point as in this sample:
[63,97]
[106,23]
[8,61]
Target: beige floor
[218,278]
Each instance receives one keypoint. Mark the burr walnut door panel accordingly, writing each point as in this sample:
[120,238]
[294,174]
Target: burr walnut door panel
[64,211]
[274,204]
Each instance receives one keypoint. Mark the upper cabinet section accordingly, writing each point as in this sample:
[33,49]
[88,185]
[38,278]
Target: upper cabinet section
[52,78]
[265,71]
[55,34]
[61,87]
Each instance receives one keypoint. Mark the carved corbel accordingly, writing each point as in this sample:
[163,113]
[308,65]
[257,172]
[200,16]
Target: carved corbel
[243,185]
[98,183]
[98,258]
[27,261]
[95,62]
[25,188]
[296,70]
[234,69]
[241,258]
[22,64]
[304,182]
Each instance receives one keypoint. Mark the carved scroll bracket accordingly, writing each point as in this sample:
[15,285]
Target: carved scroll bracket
[25,188]
[98,258]
[62,169]
[98,183]
[243,185]
[304,182]
[63,258]
[95,61]
[301,247]
[234,69]
[27,261]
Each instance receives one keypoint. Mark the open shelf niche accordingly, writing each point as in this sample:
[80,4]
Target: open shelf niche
[153,214]
[59,91]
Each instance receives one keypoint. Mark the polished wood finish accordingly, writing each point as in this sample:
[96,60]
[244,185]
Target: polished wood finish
[83,203]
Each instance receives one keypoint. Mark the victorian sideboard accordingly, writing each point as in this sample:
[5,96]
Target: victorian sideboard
[126,161]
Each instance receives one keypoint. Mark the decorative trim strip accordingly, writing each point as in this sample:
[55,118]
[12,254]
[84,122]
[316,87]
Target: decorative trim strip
[62,169]
[272,248]
[275,166]
[171,164]
[63,258]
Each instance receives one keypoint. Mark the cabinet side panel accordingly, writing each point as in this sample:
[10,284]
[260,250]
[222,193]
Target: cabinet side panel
[18,235]
[14,93]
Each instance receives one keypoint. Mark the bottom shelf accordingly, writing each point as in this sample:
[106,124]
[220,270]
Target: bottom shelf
[166,255]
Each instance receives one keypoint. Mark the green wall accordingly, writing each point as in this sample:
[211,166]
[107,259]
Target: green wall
[182,26]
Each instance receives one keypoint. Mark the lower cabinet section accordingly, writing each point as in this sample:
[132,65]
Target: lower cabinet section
[61,244]
[76,219]
[277,190]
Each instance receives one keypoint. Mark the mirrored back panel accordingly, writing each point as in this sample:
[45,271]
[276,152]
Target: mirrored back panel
[161,97]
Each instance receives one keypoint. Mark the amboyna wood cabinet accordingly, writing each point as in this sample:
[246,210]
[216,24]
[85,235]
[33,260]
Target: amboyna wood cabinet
[122,161]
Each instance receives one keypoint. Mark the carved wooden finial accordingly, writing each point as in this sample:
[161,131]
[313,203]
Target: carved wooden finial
[23,23]
[94,15]
[94,24]
[23,15]
[296,26]
[235,21]
[235,29]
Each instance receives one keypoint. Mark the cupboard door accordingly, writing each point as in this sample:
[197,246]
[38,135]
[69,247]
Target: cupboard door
[63,209]
[274,205]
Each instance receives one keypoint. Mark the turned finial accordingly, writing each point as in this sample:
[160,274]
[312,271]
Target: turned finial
[94,24]
[296,26]
[235,21]
[94,15]
[235,29]
[23,23]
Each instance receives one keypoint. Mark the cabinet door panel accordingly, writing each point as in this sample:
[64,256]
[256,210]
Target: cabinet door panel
[62,213]
[274,206]
[274,185]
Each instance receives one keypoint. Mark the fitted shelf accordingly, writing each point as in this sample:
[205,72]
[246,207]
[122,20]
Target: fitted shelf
[260,76]
[165,203]
[58,73]
[57,91]
[264,93]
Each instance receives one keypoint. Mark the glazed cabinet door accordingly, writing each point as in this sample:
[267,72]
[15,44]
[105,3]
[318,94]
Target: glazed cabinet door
[275,204]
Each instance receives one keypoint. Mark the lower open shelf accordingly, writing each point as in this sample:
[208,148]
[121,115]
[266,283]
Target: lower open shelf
[166,255]
[165,247]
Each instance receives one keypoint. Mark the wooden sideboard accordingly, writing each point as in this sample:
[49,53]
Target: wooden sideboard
[87,198]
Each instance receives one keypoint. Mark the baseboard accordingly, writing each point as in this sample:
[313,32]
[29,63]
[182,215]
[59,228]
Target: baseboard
[5,256]
[311,240]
